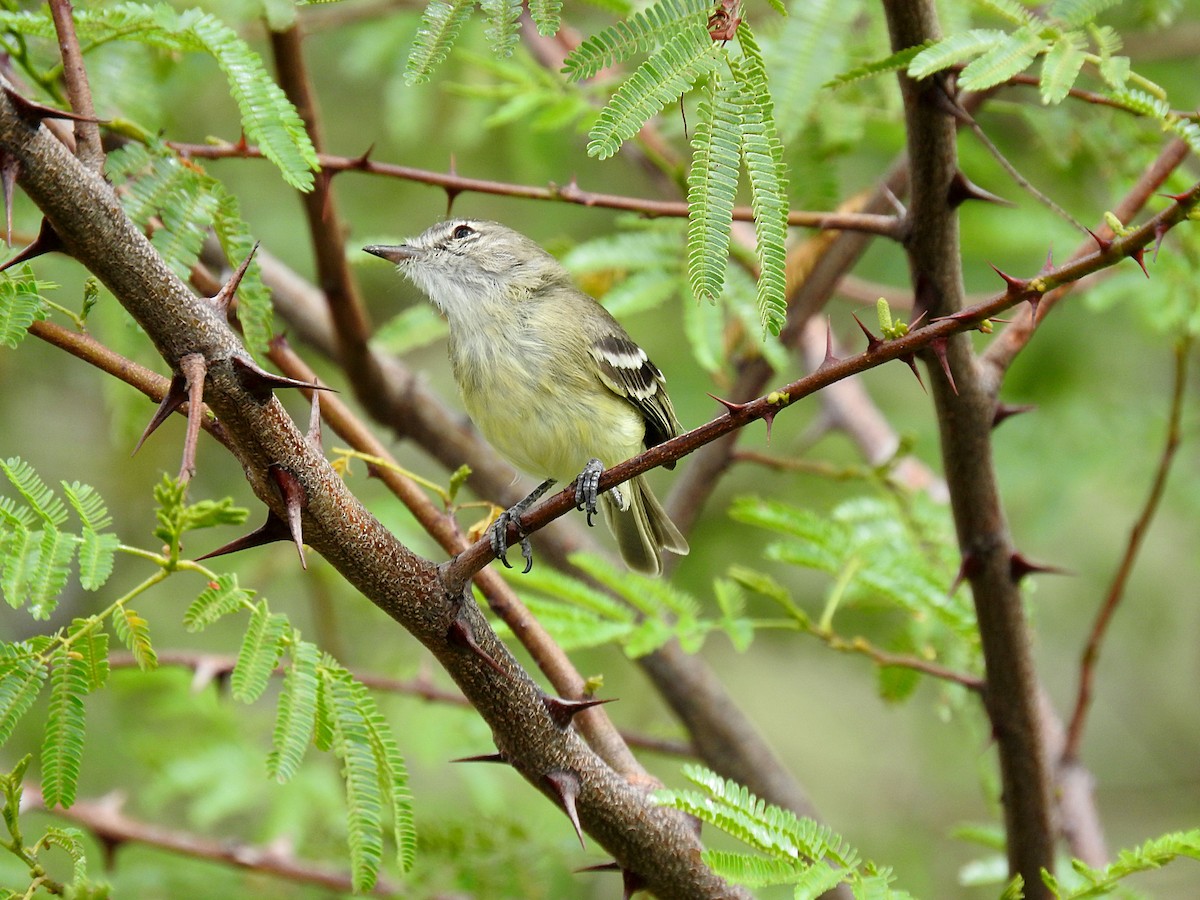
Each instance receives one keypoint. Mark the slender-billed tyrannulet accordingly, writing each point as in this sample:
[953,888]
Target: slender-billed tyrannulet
[547,374]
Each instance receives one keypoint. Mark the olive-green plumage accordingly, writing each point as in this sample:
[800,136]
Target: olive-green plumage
[548,376]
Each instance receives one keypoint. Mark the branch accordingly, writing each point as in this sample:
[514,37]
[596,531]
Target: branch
[453,183]
[87,132]
[657,844]
[112,828]
[1137,534]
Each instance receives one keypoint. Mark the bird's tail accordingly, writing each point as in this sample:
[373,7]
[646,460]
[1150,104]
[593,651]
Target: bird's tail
[642,528]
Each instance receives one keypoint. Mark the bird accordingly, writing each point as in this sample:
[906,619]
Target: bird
[548,376]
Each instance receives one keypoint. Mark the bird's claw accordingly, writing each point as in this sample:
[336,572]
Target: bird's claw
[587,488]
[498,534]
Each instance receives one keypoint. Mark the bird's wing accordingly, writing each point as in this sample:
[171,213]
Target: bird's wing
[626,371]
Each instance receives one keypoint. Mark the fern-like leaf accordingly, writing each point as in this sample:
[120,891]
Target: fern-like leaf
[41,499]
[1008,58]
[56,550]
[752,870]
[953,50]
[393,777]
[1012,10]
[268,117]
[296,715]
[97,549]
[546,15]
[134,632]
[21,304]
[18,558]
[811,49]
[902,59]
[22,675]
[219,599]
[91,644]
[637,34]
[1143,104]
[254,308]
[712,189]
[502,29]
[683,60]
[440,24]
[1061,66]
[1187,131]
[261,648]
[762,152]
[62,745]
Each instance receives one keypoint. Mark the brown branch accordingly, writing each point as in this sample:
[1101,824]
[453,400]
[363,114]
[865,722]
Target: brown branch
[656,843]
[1137,535]
[113,829]
[883,225]
[87,133]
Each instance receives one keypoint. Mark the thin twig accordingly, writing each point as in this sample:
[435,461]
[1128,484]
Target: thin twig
[79,92]
[1137,535]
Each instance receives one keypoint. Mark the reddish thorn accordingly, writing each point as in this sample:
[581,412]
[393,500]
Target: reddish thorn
[1178,198]
[1035,302]
[963,189]
[948,103]
[829,357]
[938,346]
[1103,243]
[259,383]
[453,170]
[176,394]
[729,404]
[1139,257]
[566,788]
[224,297]
[912,364]
[1160,232]
[1048,266]
[912,326]
[482,757]
[873,343]
[295,498]
[1019,567]
[362,162]
[562,711]
[241,146]
[633,881]
[194,369]
[47,241]
[269,532]
[1007,411]
[1016,286]
[769,420]
[460,633]
[33,113]
[967,569]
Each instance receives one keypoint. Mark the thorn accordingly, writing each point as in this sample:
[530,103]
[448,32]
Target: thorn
[769,420]
[908,360]
[963,189]
[562,711]
[938,346]
[829,357]
[948,103]
[1139,257]
[259,383]
[224,297]
[176,394]
[1016,286]
[1035,302]
[273,530]
[1103,243]
[967,569]
[482,757]
[33,113]
[1048,266]
[47,241]
[460,633]
[314,422]
[364,161]
[566,787]
[194,369]
[912,326]
[729,405]
[1007,411]
[1160,232]
[295,498]
[1019,567]
[1178,198]
[873,343]
[452,192]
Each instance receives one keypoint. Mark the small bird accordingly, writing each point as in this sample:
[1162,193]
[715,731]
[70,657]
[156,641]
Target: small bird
[548,376]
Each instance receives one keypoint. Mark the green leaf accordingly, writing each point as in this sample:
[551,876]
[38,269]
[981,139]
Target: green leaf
[21,304]
[262,646]
[638,34]
[97,550]
[62,745]
[255,311]
[1008,58]
[19,554]
[56,550]
[811,48]
[1061,66]
[92,646]
[296,715]
[1074,13]
[546,16]
[70,841]
[134,632]
[41,499]
[440,25]
[1011,10]
[503,25]
[684,59]
[752,870]
[219,599]
[22,675]
[955,49]
[409,329]
[176,517]
[712,189]
[901,59]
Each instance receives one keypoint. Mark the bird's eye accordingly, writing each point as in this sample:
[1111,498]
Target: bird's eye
[463,231]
